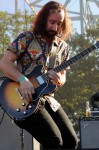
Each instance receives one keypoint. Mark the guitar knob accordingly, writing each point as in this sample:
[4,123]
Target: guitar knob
[23,104]
[30,106]
[24,112]
[18,110]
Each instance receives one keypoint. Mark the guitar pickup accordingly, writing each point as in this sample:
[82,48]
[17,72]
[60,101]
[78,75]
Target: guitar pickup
[40,80]
[17,90]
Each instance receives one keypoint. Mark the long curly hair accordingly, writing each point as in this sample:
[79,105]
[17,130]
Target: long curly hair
[40,21]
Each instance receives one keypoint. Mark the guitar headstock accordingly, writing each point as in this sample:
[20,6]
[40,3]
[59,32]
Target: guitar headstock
[97,43]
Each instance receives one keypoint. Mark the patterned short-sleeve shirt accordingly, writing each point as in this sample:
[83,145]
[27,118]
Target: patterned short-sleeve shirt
[32,50]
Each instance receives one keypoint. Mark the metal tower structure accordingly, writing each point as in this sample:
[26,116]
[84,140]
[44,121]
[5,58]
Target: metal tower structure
[16,6]
[83,14]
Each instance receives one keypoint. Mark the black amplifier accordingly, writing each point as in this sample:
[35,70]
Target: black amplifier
[89,132]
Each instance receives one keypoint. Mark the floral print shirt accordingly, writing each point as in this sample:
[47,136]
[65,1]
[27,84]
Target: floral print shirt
[32,50]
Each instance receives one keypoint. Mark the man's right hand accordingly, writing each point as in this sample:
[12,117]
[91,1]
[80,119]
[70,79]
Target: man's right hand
[27,89]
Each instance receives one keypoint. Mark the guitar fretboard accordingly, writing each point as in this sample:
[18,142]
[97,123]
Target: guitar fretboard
[72,60]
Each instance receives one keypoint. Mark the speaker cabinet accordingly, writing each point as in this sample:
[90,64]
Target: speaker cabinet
[89,133]
[11,136]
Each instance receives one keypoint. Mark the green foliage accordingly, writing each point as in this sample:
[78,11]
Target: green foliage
[4,28]
[11,25]
[83,77]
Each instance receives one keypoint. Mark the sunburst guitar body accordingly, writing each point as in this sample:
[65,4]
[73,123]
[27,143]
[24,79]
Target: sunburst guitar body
[11,98]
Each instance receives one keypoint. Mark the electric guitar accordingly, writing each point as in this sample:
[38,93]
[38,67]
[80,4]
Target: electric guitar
[10,93]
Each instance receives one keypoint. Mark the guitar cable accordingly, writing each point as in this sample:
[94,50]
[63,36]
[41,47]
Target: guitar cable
[1,79]
[22,139]
[2,116]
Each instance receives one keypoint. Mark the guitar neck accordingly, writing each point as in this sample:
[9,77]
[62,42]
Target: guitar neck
[74,59]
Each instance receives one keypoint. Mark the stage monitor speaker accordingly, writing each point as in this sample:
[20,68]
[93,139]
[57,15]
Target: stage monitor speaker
[12,137]
[89,133]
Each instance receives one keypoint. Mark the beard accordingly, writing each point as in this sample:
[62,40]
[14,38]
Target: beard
[50,33]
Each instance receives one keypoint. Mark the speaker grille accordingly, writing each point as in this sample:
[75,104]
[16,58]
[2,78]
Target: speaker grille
[11,135]
[89,133]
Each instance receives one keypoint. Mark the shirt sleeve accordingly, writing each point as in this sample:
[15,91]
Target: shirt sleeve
[18,46]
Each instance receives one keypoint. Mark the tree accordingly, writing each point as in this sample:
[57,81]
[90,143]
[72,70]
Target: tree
[20,22]
[4,28]
[83,77]
[10,26]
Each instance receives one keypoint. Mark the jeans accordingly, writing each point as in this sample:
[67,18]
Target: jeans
[52,129]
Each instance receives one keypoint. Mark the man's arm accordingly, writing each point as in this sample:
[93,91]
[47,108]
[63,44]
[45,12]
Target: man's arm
[7,66]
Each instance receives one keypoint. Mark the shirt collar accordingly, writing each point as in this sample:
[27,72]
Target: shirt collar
[55,41]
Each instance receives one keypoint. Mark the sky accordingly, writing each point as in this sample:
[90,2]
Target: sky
[74,5]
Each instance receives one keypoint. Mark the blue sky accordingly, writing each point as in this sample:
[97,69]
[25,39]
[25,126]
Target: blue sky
[9,6]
